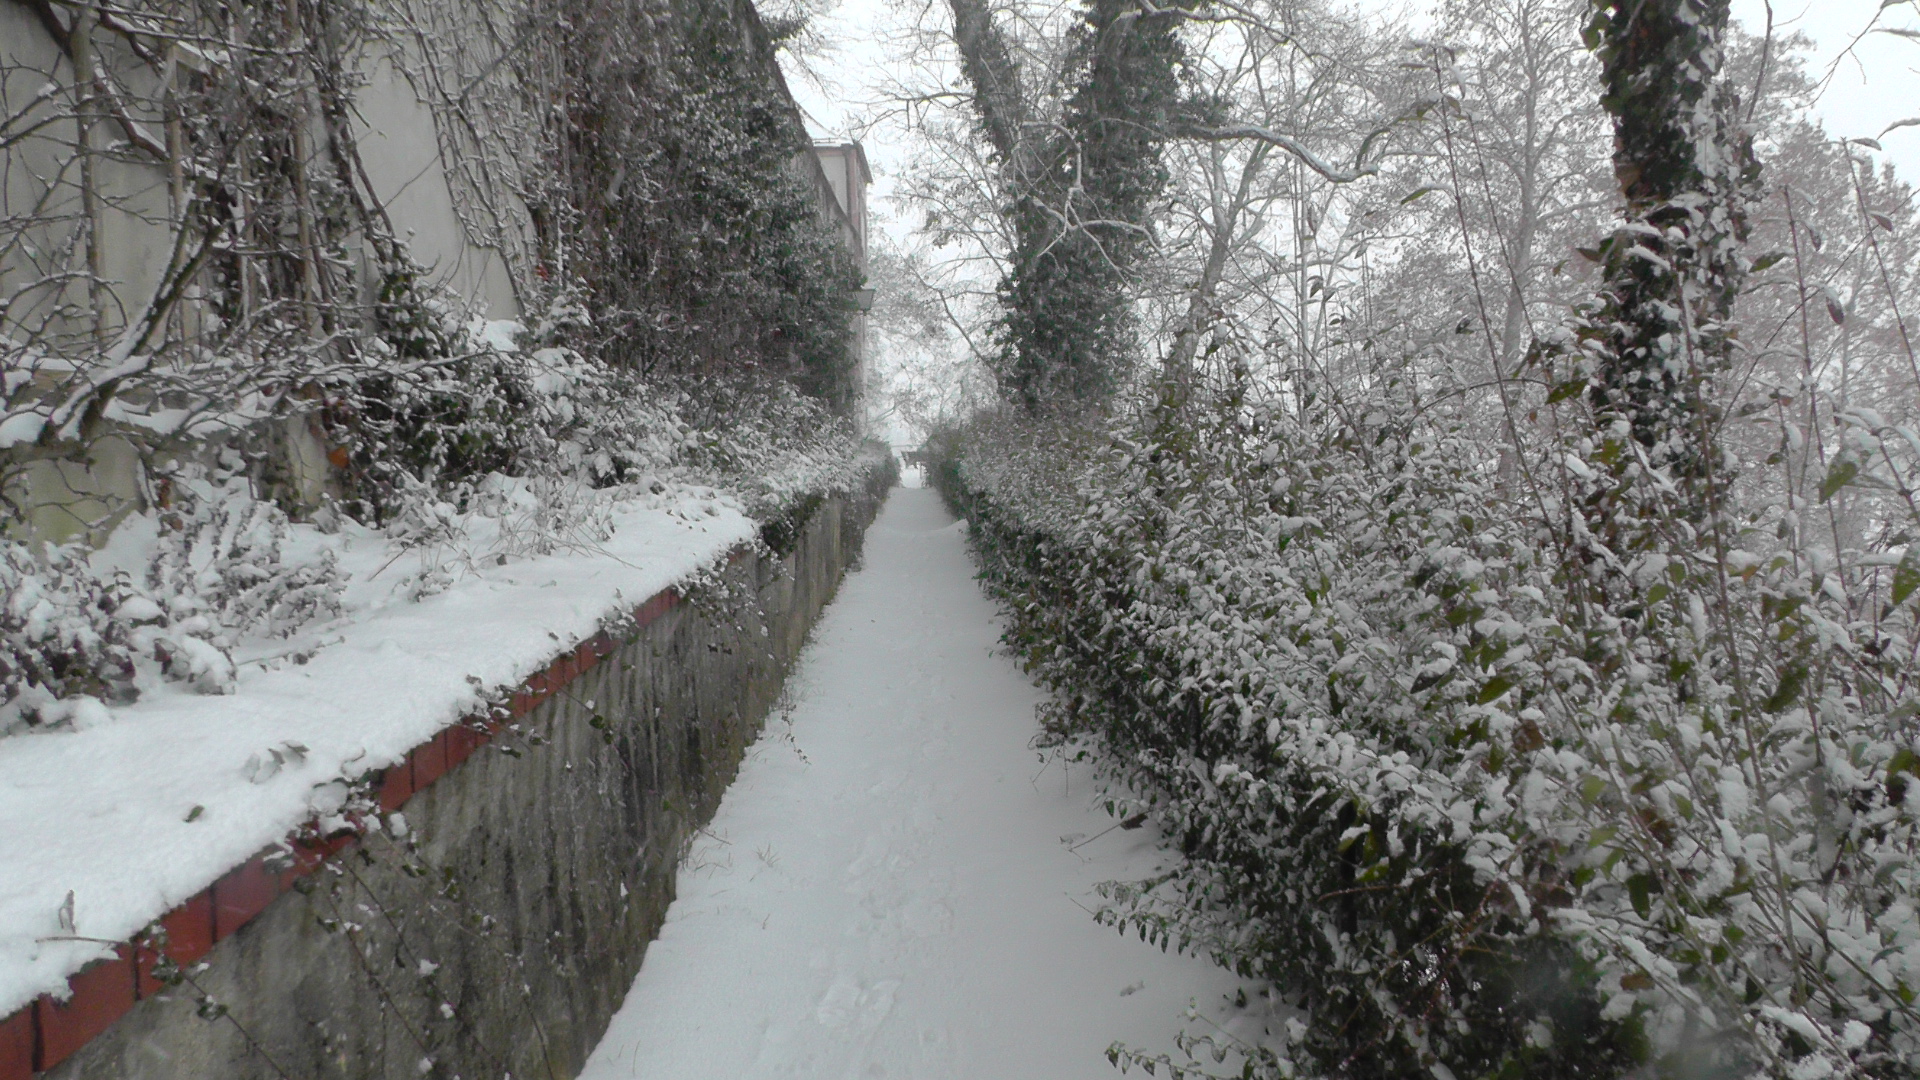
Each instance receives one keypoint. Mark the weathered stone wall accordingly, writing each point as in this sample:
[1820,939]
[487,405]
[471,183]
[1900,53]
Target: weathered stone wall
[499,934]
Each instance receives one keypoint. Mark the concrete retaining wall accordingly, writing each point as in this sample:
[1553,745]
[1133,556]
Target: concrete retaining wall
[499,934]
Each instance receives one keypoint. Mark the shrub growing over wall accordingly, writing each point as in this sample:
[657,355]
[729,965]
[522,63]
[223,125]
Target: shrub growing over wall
[632,164]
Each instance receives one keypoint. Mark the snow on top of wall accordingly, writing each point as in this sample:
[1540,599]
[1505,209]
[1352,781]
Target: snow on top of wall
[100,813]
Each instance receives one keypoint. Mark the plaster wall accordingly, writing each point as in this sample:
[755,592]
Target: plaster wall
[83,495]
[400,147]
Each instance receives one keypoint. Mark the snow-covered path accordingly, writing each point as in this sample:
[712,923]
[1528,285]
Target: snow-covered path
[885,891]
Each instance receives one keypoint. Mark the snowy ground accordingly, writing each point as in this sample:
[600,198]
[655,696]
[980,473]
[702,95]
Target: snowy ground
[888,890]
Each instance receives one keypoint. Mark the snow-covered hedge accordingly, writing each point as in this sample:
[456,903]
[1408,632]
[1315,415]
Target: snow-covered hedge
[1473,822]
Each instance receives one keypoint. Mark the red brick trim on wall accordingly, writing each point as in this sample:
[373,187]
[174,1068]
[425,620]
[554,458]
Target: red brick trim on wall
[18,1045]
[189,936]
[47,1032]
[101,994]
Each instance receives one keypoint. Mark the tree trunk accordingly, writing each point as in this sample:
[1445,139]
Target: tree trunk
[1675,266]
[1226,222]
[1077,200]
[987,62]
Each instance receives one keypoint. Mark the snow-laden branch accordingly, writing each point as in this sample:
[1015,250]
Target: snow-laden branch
[1235,132]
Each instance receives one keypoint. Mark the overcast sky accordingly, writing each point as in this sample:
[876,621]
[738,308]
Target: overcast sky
[1876,85]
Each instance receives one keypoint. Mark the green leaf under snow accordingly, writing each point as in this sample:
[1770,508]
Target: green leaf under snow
[1566,390]
[1906,576]
[1838,476]
[1791,680]
[1640,891]
[1496,686]
[1592,788]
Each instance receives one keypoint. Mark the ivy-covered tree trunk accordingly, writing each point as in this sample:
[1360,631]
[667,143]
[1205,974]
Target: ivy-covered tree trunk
[987,61]
[1078,201]
[1674,266]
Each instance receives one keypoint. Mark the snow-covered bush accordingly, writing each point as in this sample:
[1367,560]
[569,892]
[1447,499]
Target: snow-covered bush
[435,402]
[166,602]
[221,562]
[64,637]
[1489,798]
[456,404]
[605,425]
[775,446]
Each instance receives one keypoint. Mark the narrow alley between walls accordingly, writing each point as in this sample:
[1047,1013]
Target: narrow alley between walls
[898,885]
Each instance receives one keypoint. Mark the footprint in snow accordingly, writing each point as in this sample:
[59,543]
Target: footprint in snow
[846,1004]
